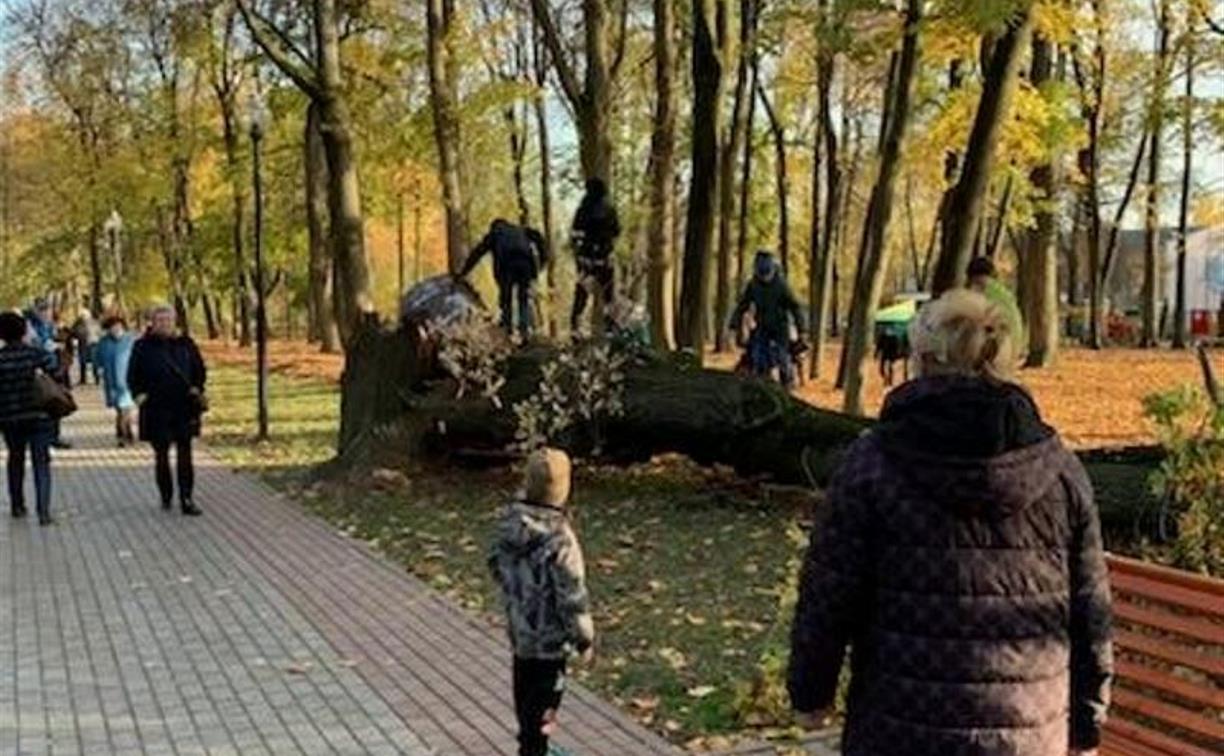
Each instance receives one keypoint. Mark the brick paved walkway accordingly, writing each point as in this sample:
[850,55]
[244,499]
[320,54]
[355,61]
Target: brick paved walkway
[252,630]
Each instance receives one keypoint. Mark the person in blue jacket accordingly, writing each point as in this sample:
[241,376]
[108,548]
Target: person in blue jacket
[43,334]
[112,355]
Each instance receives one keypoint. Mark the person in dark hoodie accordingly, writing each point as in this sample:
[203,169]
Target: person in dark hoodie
[519,254]
[537,562]
[960,557]
[595,230]
[774,309]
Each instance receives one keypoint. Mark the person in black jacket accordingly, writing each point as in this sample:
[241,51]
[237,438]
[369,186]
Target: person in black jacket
[23,424]
[519,254]
[167,376]
[595,229]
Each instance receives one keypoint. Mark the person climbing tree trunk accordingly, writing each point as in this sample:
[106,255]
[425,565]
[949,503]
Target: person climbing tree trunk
[444,105]
[965,204]
[709,43]
[660,284]
[1039,262]
[1153,238]
[728,152]
[873,250]
[318,76]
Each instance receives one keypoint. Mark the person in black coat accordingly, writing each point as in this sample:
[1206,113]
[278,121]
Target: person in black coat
[519,254]
[167,376]
[595,229]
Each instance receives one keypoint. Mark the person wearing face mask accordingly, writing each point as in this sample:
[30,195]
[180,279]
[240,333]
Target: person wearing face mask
[774,310]
[166,375]
[112,356]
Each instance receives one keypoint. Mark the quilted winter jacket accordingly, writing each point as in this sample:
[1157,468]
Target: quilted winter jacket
[960,558]
[537,562]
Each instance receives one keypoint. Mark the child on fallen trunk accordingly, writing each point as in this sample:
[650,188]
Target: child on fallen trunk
[537,562]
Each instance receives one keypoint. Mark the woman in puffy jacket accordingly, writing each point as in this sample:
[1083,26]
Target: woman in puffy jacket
[959,556]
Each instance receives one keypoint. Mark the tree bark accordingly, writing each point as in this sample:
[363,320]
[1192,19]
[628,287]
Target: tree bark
[707,63]
[660,284]
[1180,339]
[820,304]
[1039,263]
[95,272]
[443,95]
[781,177]
[874,249]
[965,205]
[321,269]
[745,193]
[1152,236]
[728,152]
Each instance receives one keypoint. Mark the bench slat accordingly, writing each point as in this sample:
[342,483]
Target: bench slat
[1189,626]
[1122,732]
[1168,593]
[1150,707]
[1166,575]
[1199,692]
[1171,652]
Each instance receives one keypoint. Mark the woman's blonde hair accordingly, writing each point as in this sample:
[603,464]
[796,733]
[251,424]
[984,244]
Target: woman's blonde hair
[962,333]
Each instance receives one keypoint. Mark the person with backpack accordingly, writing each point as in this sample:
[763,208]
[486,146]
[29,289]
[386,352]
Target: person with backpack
[166,375]
[537,562]
[113,356]
[519,254]
[25,425]
[594,232]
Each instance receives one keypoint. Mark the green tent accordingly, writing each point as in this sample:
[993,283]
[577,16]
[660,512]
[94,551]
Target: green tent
[900,314]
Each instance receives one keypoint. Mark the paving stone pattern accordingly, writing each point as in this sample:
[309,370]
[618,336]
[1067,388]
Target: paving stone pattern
[252,630]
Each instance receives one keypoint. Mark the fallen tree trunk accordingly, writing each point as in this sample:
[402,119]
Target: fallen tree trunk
[712,417]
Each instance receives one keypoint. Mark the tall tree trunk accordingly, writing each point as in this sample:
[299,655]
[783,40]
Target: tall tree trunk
[540,64]
[709,18]
[965,205]
[242,296]
[1183,218]
[781,179]
[820,299]
[1000,227]
[321,267]
[660,286]
[952,158]
[443,94]
[728,152]
[745,194]
[95,272]
[1152,236]
[879,212]
[1039,263]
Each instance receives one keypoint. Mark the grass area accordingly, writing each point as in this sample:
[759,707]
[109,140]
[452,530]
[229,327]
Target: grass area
[687,568]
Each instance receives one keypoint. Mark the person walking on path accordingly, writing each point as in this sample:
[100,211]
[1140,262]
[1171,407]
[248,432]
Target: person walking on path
[594,231]
[519,254]
[166,375]
[537,562]
[960,556]
[113,356]
[24,425]
[43,333]
[86,333]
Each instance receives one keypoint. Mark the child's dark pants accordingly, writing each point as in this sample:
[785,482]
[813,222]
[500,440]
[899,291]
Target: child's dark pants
[538,685]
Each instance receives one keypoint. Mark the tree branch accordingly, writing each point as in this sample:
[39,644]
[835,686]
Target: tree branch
[619,58]
[564,67]
[273,43]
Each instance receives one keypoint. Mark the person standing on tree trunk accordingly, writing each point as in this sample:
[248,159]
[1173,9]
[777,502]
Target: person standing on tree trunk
[167,377]
[113,356]
[24,425]
[594,232]
[519,254]
[960,557]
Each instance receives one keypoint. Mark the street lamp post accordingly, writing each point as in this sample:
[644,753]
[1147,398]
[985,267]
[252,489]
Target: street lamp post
[258,119]
[113,227]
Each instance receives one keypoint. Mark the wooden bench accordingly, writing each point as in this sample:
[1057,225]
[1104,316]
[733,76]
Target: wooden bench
[1168,695]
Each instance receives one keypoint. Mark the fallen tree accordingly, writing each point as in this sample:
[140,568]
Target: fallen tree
[392,382]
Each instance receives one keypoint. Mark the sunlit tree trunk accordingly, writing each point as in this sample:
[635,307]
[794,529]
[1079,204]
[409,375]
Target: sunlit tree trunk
[728,153]
[1039,262]
[1183,220]
[540,63]
[321,273]
[443,96]
[1152,236]
[660,286]
[873,256]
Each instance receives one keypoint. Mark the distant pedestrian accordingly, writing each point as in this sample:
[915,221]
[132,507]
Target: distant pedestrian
[166,375]
[595,230]
[44,334]
[982,278]
[25,426]
[537,562]
[86,333]
[113,355]
[959,555]
[519,254]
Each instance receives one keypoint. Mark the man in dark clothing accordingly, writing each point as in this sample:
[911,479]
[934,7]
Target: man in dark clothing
[166,375]
[774,307]
[519,254]
[23,424]
[959,555]
[595,230]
